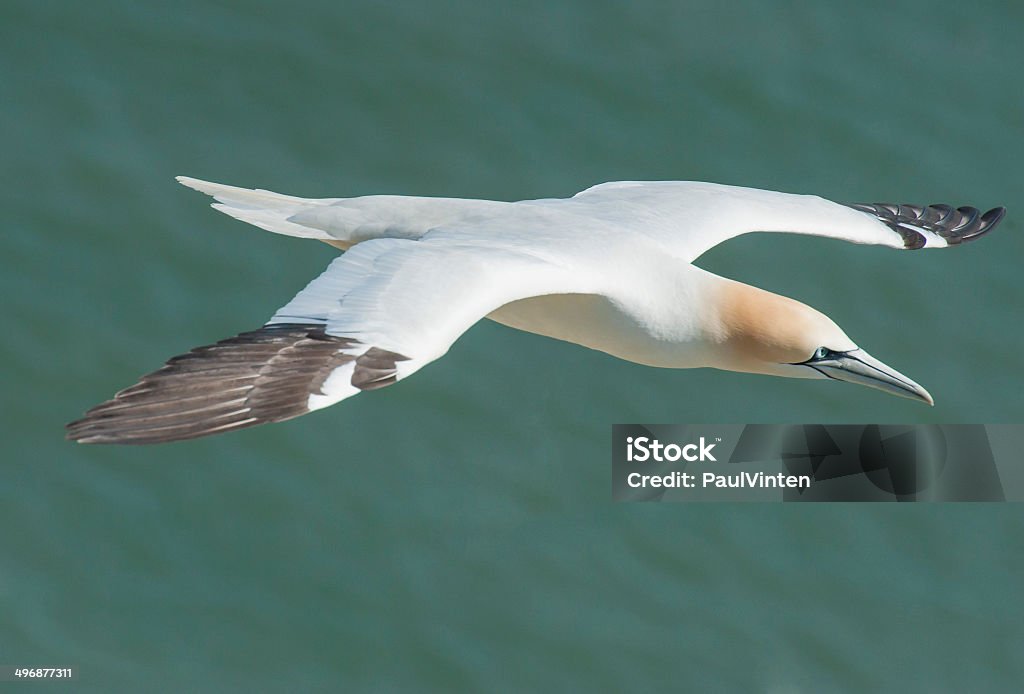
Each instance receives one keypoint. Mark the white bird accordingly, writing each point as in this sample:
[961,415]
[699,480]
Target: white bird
[609,268]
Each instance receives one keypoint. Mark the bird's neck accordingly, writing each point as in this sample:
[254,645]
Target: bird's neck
[754,330]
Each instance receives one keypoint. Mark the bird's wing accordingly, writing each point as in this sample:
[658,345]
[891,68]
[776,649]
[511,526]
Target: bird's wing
[688,218]
[341,222]
[377,314]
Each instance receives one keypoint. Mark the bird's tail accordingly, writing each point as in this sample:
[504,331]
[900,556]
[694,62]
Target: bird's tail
[262,208]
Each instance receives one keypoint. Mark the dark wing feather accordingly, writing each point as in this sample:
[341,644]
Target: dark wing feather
[266,375]
[955,226]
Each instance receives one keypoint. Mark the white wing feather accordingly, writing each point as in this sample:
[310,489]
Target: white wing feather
[688,218]
[415,298]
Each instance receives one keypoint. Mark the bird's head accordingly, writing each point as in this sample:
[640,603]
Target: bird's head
[761,332]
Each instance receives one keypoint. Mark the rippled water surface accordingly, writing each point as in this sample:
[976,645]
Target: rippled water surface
[456,532]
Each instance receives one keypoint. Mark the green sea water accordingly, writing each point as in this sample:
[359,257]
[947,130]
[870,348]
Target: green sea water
[456,532]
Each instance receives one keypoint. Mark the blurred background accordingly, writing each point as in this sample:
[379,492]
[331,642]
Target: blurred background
[456,532]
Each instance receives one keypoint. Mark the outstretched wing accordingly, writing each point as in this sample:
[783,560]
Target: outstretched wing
[688,218]
[377,314]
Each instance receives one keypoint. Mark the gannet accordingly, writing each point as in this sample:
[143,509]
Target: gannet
[610,268]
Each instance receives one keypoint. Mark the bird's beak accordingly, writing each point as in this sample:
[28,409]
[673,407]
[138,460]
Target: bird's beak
[857,366]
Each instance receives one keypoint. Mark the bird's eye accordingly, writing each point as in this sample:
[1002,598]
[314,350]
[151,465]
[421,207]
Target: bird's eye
[821,353]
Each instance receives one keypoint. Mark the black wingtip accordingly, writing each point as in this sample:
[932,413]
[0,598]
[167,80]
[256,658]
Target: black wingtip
[953,225]
[988,222]
[257,377]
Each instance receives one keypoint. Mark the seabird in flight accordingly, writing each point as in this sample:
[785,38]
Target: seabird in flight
[609,268]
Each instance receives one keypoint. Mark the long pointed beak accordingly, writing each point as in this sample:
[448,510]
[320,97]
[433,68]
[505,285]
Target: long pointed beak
[857,366]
